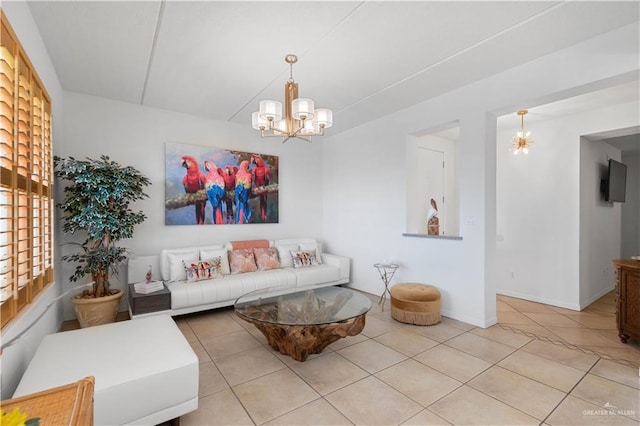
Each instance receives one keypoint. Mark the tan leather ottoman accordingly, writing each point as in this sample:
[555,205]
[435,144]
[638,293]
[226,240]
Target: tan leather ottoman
[415,303]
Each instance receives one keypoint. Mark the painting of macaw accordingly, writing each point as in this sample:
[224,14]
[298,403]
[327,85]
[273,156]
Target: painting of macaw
[214,185]
[243,191]
[193,181]
[209,185]
[260,178]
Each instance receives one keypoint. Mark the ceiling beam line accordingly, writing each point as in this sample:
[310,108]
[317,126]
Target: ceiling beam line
[152,50]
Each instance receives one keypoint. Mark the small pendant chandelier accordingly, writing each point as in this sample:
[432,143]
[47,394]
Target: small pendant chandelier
[301,119]
[521,141]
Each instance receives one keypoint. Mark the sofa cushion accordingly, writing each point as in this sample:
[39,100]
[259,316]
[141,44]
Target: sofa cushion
[284,253]
[312,246]
[228,288]
[203,269]
[243,244]
[316,275]
[186,253]
[242,260]
[220,251]
[304,259]
[176,264]
[266,258]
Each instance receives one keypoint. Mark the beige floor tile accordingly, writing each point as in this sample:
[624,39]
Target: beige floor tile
[501,306]
[417,381]
[221,408]
[439,332]
[186,330]
[574,411]
[273,395]
[371,355]
[426,418]
[200,351]
[211,381]
[552,318]
[467,406]
[604,392]
[626,356]
[406,342]
[373,402]
[248,365]
[329,373]
[228,344]
[571,357]
[375,327]
[456,324]
[527,395]
[348,341]
[623,374]
[551,373]
[527,306]
[579,336]
[452,362]
[211,324]
[504,336]
[481,347]
[506,317]
[532,331]
[318,412]
[595,321]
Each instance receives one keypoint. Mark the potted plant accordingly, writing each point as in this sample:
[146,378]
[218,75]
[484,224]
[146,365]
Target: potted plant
[96,203]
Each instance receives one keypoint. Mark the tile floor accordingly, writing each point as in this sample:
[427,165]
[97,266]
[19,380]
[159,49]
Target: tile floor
[538,365]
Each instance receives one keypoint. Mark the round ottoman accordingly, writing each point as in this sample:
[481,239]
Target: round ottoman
[415,303]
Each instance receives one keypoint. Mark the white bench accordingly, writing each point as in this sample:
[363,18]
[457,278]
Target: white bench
[145,370]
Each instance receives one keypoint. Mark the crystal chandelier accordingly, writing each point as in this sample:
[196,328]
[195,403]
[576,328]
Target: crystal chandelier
[301,120]
[521,141]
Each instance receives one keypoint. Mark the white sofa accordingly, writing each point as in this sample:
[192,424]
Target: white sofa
[188,297]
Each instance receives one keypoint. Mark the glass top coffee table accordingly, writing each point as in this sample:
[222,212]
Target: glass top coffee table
[305,322]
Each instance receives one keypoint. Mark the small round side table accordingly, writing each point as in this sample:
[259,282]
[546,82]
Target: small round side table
[386,271]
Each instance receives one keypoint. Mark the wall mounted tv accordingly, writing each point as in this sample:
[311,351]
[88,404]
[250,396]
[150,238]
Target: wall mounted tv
[615,183]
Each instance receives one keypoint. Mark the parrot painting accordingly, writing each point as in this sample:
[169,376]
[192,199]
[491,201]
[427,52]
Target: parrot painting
[193,181]
[229,176]
[260,177]
[214,185]
[243,191]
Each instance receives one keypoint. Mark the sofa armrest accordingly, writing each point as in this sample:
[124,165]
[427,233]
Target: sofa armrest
[137,268]
[343,263]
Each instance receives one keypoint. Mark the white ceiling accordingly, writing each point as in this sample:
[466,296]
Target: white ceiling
[362,59]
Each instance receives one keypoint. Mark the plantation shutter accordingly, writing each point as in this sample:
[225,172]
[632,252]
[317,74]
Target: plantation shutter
[26,199]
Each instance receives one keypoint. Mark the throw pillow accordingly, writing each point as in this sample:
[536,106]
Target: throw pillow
[284,253]
[203,269]
[302,259]
[212,253]
[242,260]
[314,246]
[266,258]
[176,265]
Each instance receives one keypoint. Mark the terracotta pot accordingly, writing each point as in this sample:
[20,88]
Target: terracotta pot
[97,311]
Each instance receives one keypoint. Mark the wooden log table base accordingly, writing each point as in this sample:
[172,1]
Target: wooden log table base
[300,341]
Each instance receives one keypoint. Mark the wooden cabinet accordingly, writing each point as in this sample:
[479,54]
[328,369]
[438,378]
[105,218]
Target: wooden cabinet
[628,299]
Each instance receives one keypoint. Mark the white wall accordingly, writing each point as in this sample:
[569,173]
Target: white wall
[630,245]
[600,223]
[16,358]
[365,174]
[547,208]
[135,135]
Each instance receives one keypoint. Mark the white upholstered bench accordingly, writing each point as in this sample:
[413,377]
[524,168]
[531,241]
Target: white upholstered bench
[145,370]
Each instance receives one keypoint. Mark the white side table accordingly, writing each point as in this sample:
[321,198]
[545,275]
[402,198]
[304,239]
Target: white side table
[386,271]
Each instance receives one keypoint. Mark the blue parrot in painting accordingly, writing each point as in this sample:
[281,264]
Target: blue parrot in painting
[214,185]
[243,192]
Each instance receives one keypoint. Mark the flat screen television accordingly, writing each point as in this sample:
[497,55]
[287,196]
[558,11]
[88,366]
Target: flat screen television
[615,184]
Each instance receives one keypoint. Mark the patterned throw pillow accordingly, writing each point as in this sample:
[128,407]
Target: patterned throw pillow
[242,260]
[203,269]
[266,258]
[302,259]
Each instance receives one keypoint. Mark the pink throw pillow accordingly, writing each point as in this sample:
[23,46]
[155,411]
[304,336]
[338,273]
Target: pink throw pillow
[266,258]
[242,260]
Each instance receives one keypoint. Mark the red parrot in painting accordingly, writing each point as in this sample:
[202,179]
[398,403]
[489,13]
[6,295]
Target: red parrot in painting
[193,181]
[229,176]
[243,191]
[260,175]
[214,184]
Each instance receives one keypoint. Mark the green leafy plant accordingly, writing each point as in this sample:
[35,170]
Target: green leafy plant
[96,202]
